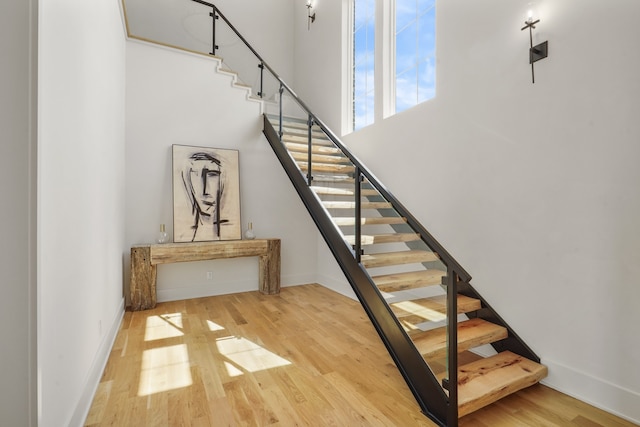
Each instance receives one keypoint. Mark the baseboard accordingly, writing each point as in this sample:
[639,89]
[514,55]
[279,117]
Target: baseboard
[97,368]
[200,291]
[597,392]
[585,387]
[298,279]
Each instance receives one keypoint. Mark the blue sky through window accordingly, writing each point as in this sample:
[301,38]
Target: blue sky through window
[414,76]
[415,52]
[363,67]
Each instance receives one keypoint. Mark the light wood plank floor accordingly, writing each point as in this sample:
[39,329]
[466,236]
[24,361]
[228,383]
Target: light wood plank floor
[306,357]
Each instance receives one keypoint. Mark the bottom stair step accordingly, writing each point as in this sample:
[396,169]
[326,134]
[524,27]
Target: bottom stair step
[485,381]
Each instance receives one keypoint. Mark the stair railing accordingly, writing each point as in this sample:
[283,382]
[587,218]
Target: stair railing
[439,405]
[433,400]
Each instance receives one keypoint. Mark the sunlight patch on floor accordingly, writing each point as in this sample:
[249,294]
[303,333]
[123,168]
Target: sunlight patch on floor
[248,356]
[214,326]
[232,370]
[163,326]
[163,369]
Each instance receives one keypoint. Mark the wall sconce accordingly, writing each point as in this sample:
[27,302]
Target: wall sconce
[536,52]
[311,17]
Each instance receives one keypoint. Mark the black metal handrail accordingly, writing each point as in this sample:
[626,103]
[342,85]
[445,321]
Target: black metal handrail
[444,255]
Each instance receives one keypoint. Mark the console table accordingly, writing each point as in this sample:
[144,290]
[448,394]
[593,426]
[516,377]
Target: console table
[144,259]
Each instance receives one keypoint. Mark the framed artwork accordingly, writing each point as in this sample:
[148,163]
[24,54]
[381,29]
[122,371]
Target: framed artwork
[206,194]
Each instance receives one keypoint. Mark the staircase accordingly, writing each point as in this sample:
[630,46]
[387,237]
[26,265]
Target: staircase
[409,274]
[418,297]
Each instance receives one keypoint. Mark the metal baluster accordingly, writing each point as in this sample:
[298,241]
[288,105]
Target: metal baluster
[280,106]
[261,66]
[214,15]
[310,141]
[358,215]
[452,345]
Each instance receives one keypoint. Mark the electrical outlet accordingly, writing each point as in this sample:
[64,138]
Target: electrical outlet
[209,275]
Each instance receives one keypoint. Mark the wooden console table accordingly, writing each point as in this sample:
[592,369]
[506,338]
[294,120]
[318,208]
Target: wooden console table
[144,259]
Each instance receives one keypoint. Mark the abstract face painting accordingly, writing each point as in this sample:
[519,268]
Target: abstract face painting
[206,194]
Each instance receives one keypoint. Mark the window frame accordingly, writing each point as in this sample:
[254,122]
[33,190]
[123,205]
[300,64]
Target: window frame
[384,63]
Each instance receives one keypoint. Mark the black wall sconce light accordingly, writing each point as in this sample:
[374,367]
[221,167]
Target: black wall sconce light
[311,17]
[539,51]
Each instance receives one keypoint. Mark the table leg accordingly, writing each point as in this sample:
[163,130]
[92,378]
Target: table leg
[143,279]
[270,269]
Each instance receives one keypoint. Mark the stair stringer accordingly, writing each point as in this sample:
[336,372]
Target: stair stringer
[423,384]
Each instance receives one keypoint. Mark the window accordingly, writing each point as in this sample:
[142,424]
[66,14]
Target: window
[415,52]
[405,55]
[363,62]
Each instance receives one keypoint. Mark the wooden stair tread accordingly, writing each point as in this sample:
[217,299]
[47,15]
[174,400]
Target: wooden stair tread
[372,239]
[330,204]
[304,139]
[326,167]
[333,179]
[432,344]
[340,179]
[487,380]
[320,158]
[431,309]
[397,258]
[380,220]
[298,128]
[409,280]
[292,123]
[316,140]
[315,149]
[301,127]
[333,191]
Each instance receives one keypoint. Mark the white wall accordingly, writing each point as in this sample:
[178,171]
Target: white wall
[318,62]
[532,187]
[80,199]
[178,98]
[18,50]
[318,75]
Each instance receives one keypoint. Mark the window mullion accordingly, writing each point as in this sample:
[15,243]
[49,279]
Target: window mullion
[387,55]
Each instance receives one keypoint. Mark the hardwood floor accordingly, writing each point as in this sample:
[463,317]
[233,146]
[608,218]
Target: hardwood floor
[306,357]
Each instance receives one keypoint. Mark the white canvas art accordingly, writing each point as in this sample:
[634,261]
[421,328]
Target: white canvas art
[206,194]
